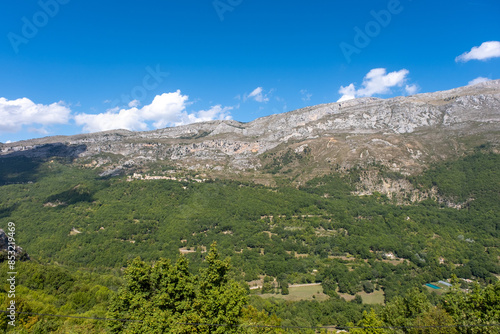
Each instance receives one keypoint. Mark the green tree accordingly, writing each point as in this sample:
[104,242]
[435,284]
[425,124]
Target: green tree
[402,312]
[284,288]
[481,306]
[166,298]
[368,287]
[155,298]
[434,321]
[259,322]
[219,300]
[369,320]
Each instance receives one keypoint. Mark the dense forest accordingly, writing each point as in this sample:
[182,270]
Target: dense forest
[99,245]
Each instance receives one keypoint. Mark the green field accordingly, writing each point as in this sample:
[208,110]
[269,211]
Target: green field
[308,292]
[376,297]
[315,292]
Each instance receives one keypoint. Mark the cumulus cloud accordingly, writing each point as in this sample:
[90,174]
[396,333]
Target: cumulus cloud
[411,89]
[129,119]
[478,80]
[168,109]
[258,95]
[348,93]
[14,114]
[377,81]
[485,51]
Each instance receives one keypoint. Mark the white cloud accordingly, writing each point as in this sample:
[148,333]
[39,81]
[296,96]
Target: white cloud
[258,95]
[134,103]
[377,81]
[348,93]
[129,119]
[168,109]
[478,80]
[216,112]
[14,114]
[411,89]
[306,96]
[485,51]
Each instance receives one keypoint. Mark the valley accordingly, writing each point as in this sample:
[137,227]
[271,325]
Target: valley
[346,207]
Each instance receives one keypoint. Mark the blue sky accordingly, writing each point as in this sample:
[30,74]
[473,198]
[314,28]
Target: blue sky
[72,66]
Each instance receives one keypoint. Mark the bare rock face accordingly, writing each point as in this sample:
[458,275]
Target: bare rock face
[402,133]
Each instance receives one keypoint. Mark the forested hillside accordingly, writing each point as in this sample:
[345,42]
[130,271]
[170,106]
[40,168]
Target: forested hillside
[82,230]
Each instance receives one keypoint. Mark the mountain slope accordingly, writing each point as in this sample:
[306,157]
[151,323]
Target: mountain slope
[401,133]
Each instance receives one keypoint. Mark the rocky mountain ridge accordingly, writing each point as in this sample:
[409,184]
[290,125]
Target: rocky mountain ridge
[402,133]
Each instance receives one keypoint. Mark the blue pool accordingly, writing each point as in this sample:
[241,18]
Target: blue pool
[433,286]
